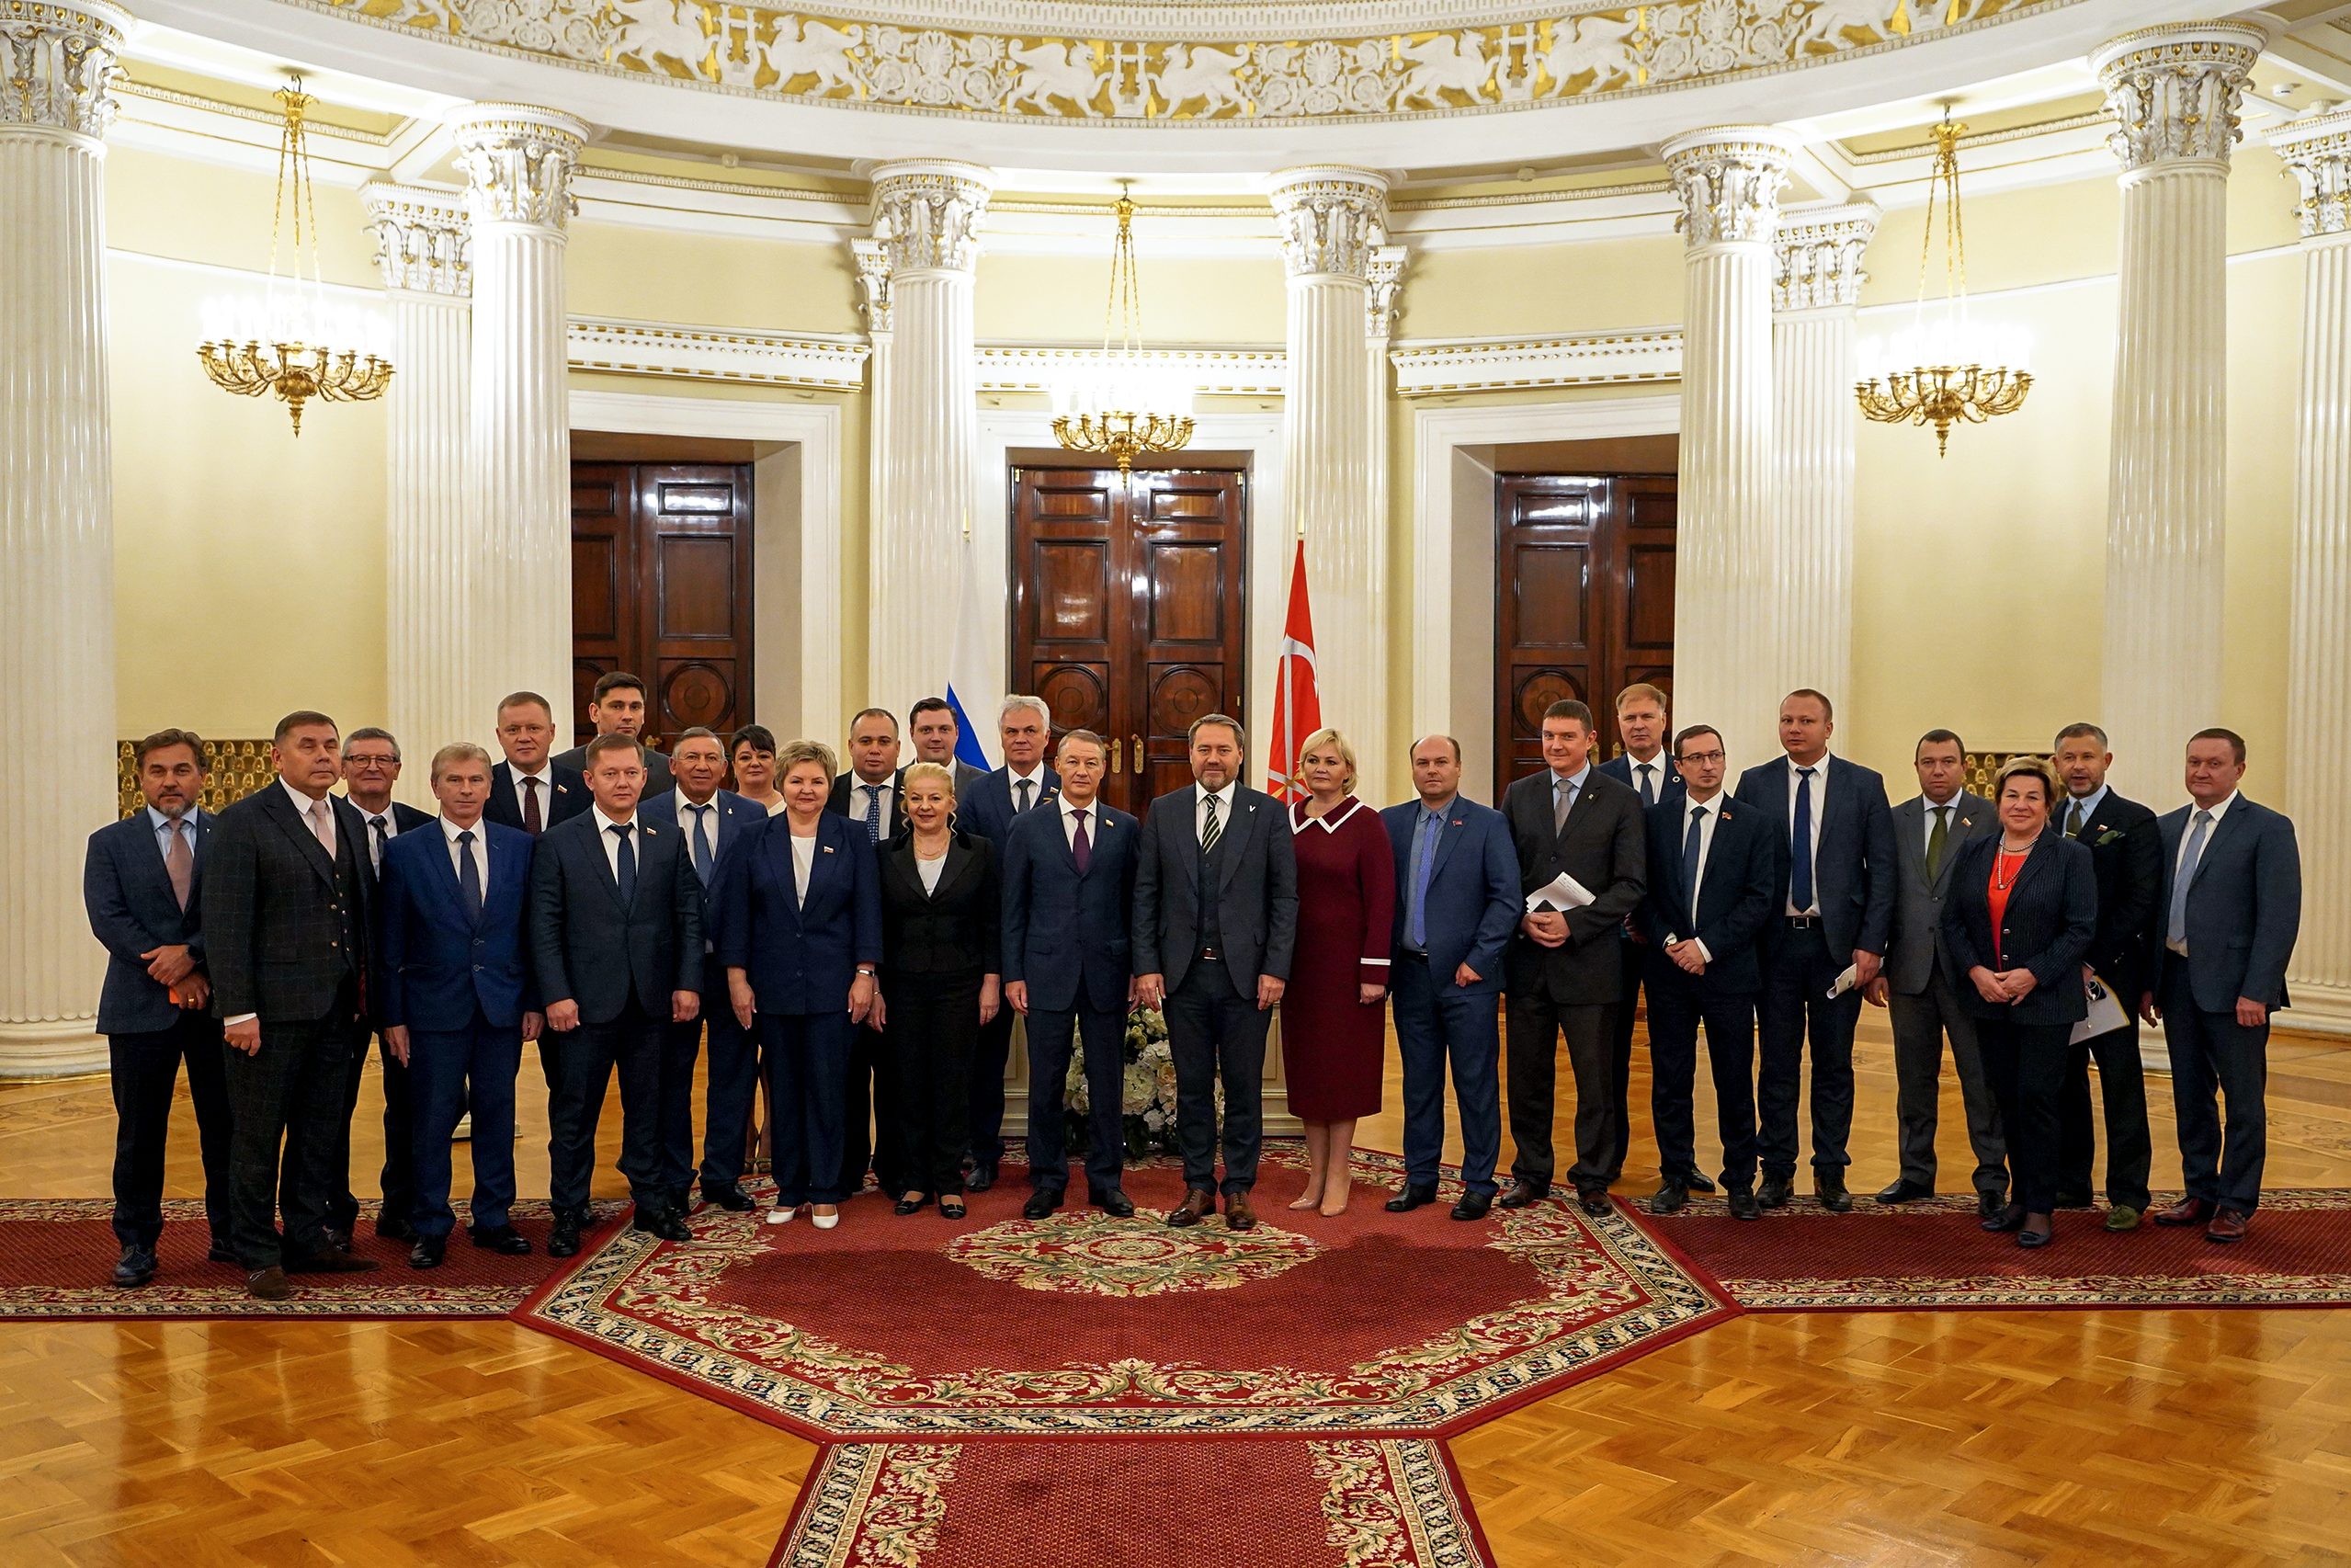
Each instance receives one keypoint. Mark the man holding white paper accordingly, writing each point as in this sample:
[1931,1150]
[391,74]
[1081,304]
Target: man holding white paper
[1582,867]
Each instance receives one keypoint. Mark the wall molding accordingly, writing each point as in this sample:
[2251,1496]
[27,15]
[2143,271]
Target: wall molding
[716,354]
[1217,372]
[1428,366]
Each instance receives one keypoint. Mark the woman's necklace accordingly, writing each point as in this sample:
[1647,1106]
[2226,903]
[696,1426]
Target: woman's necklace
[2009,865]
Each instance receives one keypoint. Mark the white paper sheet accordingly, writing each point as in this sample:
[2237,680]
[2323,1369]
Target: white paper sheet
[2105,1013]
[1561,892]
[1846,981]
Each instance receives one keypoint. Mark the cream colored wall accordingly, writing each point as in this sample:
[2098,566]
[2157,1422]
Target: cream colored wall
[1060,299]
[1530,289]
[642,274]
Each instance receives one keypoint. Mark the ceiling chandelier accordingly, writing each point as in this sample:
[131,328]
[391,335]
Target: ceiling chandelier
[291,342]
[1946,368]
[1119,404]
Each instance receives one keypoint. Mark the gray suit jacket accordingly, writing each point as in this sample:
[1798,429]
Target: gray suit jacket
[1252,876]
[1917,945]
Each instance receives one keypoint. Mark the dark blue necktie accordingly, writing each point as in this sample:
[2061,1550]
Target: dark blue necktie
[469,878]
[872,811]
[625,868]
[1691,843]
[1800,871]
[701,842]
[1648,784]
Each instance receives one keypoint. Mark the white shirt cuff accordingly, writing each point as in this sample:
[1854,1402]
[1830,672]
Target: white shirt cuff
[240,1019]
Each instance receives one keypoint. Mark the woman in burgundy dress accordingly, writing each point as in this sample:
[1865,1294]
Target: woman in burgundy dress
[1333,1028]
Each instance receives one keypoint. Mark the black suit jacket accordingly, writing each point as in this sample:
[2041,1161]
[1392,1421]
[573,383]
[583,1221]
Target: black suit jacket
[1606,847]
[585,947]
[2126,850]
[1668,787]
[2052,913]
[568,791]
[1065,930]
[657,776]
[276,941]
[986,808]
[1733,897]
[133,910]
[954,930]
[1853,851]
[842,804]
[1252,876]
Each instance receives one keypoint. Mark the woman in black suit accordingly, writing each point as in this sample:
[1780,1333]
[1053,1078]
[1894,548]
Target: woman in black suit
[2020,915]
[941,979]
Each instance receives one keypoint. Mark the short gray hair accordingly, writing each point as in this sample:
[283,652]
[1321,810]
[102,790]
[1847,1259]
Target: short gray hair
[371,733]
[457,752]
[1086,736]
[1044,714]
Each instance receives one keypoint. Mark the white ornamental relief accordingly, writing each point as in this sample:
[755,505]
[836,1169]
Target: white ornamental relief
[2174,91]
[57,65]
[2317,148]
[572,29]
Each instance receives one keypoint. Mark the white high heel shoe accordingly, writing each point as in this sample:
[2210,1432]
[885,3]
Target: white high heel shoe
[823,1222]
[781,1214]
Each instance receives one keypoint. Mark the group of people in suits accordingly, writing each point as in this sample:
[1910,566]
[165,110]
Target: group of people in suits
[860,940]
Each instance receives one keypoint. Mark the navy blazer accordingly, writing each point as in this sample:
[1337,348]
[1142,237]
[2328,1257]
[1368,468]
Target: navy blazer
[1853,852]
[587,947]
[1734,896]
[1620,768]
[735,816]
[2244,907]
[1064,929]
[567,791]
[800,958]
[133,911]
[1474,904]
[987,809]
[438,964]
[2051,915]
[2127,848]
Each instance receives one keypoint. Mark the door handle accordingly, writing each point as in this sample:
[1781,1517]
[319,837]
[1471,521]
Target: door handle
[1117,756]
[1138,740]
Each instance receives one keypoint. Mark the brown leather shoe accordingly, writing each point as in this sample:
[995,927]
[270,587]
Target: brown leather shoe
[326,1260]
[2186,1211]
[1198,1205]
[2228,1225]
[268,1284]
[1238,1215]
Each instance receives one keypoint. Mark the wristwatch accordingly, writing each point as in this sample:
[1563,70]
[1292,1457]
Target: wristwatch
[866,970]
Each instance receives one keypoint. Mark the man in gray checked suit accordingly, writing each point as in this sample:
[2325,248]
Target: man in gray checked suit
[1919,986]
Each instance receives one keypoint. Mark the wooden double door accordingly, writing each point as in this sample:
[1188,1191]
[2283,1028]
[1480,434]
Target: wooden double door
[1585,606]
[661,587]
[1127,610]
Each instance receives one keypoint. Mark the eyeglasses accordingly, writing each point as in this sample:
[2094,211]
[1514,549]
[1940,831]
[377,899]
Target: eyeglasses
[1699,758]
[370,761]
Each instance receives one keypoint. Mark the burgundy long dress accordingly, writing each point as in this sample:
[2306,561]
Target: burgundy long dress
[1333,1048]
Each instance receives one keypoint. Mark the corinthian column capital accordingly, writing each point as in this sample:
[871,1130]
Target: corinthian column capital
[2317,147]
[518,163]
[926,215]
[424,241]
[57,64]
[1729,178]
[1818,252]
[2173,91]
[1385,274]
[1333,220]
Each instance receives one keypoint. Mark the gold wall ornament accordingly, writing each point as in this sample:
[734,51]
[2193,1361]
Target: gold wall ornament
[286,347]
[232,769]
[1121,404]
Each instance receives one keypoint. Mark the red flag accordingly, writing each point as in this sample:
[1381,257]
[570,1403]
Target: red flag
[1298,705]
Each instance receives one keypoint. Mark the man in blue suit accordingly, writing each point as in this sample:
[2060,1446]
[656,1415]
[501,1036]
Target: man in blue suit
[1834,912]
[1646,765]
[1020,786]
[713,822]
[1068,883]
[2230,907]
[457,1004]
[1458,878]
[528,790]
[140,885]
[1713,868]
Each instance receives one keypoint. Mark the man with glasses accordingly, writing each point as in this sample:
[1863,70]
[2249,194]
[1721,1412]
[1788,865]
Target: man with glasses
[370,768]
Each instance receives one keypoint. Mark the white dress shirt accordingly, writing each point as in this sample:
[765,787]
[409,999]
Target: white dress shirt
[1577,781]
[480,849]
[883,792]
[1820,797]
[803,864]
[611,841]
[305,806]
[1713,810]
[1658,776]
[1223,799]
[928,868]
[546,777]
[1034,779]
[1093,810]
[690,819]
[369,819]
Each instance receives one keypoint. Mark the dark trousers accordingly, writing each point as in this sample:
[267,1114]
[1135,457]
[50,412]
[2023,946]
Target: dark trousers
[1631,965]
[2026,1065]
[681,1047]
[1920,1023]
[1214,1034]
[1677,1006]
[450,1074]
[872,1125]
[289,1128]
[1431,1031]
[927,1066]
[2212,1054]
[1535,1023]
[1792,1011]
[734,1085]
[2122,1089]
[397,1180]
[1102,1034]
[586,1062]
[992,1049]
[144,1070]
[807,1068]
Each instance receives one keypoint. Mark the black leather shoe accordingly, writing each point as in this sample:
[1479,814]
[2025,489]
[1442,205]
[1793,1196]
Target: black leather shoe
[2073,1200]
[2030,1236]
[504,1240]
[1593,1200]
[1777,1190]
[1904,1191]
[1474,1206]
[913,1205]
[1411,1198]
[136,1267]
[336,1238]
[392,1228]
[1523,1192]
[1670,1199]
[662,1224]
[564,1240]
[1697,1181]
[950,1206]
[1040,1205]
[221,1252]
[2010,1217]
[1829,1188]
[731,1198]
[428,1252]
[1989,1204]
[1116,1204]
[982,1176]
[1743,1204]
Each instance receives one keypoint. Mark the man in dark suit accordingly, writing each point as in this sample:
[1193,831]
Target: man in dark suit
[1024,783]
[616,947]
[1215,924]
[1713,870]
[1925,996]
[2227,910]
[1582,859]
[1645,764]
[713,822]
[932,726]
[1835,913]
[141,885]
[370,768]
[1456,903]
[1068,883]
[618,709]
[457,1005]
[2127,851]
[528,790]
[872,794]
[289,907]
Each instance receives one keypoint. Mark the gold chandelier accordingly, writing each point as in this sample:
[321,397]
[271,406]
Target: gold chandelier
[284,346]
[1120,404]
[1949,369]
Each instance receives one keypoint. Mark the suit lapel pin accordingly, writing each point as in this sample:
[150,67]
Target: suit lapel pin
[1454,822]
[827,849]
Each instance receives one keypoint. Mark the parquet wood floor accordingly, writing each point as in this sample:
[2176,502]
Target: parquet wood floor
[2138,1438]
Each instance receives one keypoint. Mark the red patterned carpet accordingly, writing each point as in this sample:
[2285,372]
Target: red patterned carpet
[55,1253]
[1934,1255]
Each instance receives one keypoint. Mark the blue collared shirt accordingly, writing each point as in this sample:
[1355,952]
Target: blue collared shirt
[164,827]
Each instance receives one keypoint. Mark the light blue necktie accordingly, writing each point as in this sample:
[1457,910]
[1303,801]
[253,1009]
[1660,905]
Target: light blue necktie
[1423,862]
[2177,933]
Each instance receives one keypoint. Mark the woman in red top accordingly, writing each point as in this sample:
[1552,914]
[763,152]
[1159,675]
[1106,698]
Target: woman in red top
[1334,1029]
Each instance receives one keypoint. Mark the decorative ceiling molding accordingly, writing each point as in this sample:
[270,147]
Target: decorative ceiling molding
[1213,372]
[1497,364]
[712,354]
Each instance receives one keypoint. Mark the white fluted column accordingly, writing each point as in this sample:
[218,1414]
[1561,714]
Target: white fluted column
[1818,257]
[918,267]
[423,244]
[2173,92]
[1734,587]
[518,163]
[2318,658]
[57,770]
[1334,224]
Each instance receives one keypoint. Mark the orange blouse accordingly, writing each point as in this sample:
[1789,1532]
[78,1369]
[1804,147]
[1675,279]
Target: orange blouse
[2006,868]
